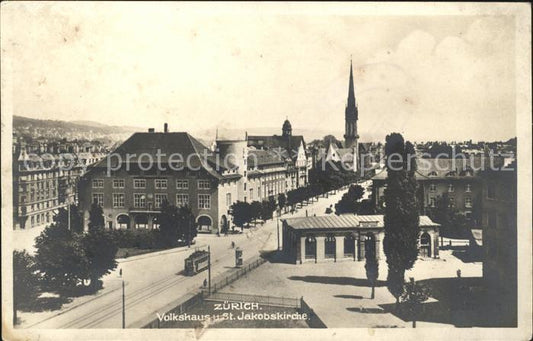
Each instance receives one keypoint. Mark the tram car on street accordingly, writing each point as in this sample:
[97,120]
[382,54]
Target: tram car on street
[197,262]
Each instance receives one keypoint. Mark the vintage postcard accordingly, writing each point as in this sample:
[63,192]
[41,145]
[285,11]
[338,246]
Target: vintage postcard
[175,170]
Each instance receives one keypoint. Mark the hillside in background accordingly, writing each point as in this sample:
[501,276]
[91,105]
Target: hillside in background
[85,129]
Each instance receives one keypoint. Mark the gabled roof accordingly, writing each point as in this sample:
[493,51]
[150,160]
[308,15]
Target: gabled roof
[289,143]
[162,146]
[346,221]
[258,158]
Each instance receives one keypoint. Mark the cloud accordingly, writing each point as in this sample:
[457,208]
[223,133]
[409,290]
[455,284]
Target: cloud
[461,85]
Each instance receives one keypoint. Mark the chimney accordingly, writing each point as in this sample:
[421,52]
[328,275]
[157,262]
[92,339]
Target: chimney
[151,130]
[165,128]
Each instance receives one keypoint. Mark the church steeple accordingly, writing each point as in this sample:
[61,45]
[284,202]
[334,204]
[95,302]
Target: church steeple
[351,105]
[286,130]
[351,115]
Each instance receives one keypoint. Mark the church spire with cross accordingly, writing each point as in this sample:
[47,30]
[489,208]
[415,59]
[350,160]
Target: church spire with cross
[351,115]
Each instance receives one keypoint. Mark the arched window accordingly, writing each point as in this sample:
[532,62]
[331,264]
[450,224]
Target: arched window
[204,223]
[425,245]
[123,221]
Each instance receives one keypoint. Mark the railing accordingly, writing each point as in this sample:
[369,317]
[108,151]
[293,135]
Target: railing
[223,280]
[264,300]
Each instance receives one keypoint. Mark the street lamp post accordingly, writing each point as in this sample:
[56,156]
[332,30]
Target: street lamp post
[123,306]
[209,269]
[279,214]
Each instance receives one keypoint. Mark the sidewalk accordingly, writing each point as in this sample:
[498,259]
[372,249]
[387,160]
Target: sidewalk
[158,253]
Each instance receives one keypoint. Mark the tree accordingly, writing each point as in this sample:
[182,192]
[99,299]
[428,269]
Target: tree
[453,223]
[100,247]
[96,216]
[25,281]
[76,220]
[168,225]
[186,221]
[348,202]
[412,298]
[267,208]
[255,210]
[241,213]
[372,270]
[60,257]
[100,252]
[366,207]
[401,212]
[282,201]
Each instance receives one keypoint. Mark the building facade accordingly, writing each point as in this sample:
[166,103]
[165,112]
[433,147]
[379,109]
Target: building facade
[45,179]
[208,181]
[455,179]
[291,148]
[346,237]
[499,223]
[131,190]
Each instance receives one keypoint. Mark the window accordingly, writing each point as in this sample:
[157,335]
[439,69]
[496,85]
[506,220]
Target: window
[228,199]
[468,188]
[451,188]
[491,191]
[451,202]
[118,200]
[159,198]
[139,200]
[98,183]
[468,202]
[182,184]
[432,187]
[204,201]
[98,198]
[161,183]
[182,199]
[118,183]
[245,186]
[204,184]
[251,194]
[139,183]
[431,202]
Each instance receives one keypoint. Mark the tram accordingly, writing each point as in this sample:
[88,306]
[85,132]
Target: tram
[197,262]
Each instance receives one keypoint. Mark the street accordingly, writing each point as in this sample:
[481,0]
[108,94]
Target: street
[154,280]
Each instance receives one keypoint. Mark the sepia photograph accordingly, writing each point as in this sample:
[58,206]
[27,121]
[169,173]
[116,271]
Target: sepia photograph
[311,170]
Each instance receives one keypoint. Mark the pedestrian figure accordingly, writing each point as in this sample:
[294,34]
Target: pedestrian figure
[458,273]
[205,283]
[120,272]
[232,244]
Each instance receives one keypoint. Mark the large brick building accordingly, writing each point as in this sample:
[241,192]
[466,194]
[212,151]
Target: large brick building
[131,191]
[209,181]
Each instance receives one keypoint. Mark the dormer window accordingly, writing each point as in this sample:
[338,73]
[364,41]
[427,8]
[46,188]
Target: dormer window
[432,173]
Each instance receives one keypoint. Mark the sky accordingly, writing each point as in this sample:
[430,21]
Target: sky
[445,77]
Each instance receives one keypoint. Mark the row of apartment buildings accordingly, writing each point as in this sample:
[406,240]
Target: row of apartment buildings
[131,189]
[45,179]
